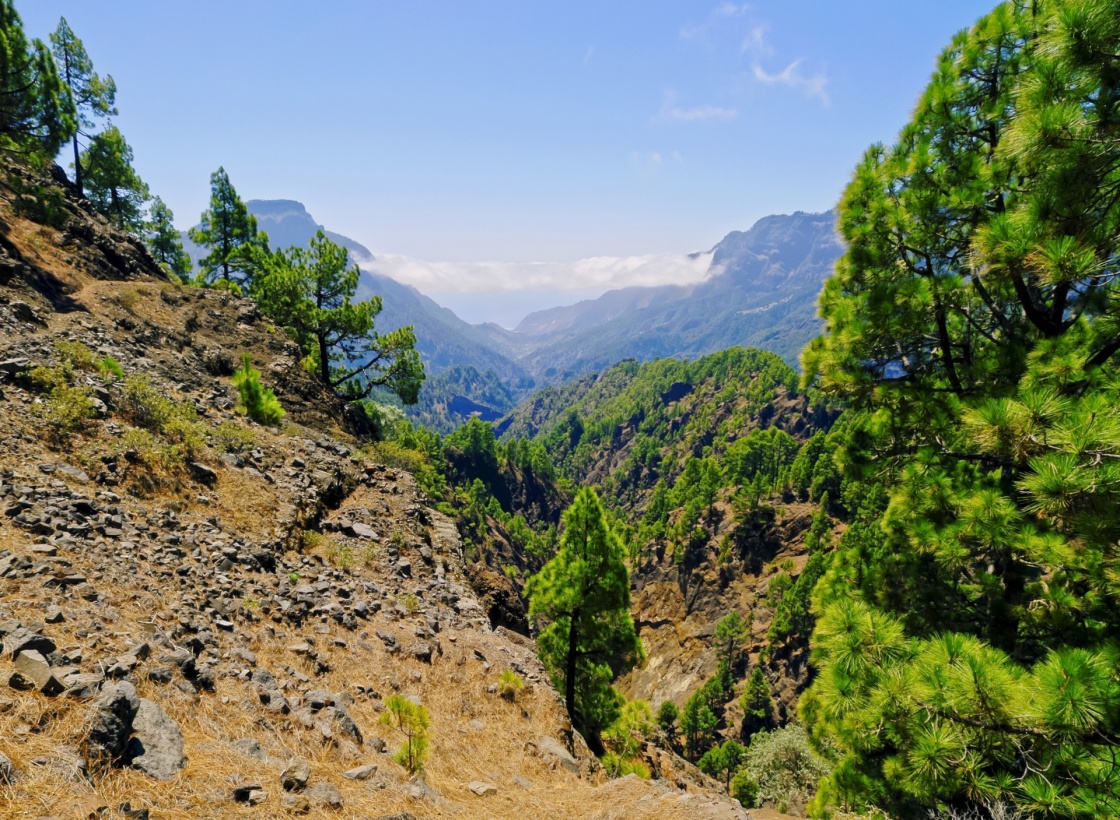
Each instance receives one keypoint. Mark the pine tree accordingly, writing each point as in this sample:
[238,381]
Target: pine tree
[758,705]
[722,761]
[729,637]
[581,600]
[698,725]
[36,115]
[968,623]
[310,291]
[230,232]
[165,242]
[90,96]
[114,187]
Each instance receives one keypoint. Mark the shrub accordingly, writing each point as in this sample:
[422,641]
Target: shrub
[784,766]
[744,788]
[509,684]
[129,298]
[75,354]
[230,437]
[410,720]
[341,555]
[66,410]
[667,717]
[140,446]
[145,406]
[110,370]
[257,401]
[617,766]
[46,379]
[187,438]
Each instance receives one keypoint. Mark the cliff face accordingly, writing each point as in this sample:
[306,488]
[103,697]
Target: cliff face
[205,617]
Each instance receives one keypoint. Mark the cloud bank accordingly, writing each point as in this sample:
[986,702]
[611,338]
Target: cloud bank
[597,273]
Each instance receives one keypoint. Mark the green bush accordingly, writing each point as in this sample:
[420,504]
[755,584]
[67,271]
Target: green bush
[784,767]
[140,446]
[744,788]
[257,401]
[75,354]
[110,370]
[66,410]
[146,407]
[46,379]
[509,684]
[231,437]
[410,720]
[617,766]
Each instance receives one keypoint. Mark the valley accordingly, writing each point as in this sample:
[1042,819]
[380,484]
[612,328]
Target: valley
[821,521]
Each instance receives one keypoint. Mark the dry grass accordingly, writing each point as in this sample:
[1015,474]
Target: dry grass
[453,688]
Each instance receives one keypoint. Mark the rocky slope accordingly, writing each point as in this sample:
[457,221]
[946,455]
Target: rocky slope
[204,617]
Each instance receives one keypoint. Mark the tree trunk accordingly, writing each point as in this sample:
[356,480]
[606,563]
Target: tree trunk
[324,360]
[77,168]
[570,671]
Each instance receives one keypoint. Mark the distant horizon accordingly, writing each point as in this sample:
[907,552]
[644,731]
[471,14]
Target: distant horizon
[508,306]
[523,133]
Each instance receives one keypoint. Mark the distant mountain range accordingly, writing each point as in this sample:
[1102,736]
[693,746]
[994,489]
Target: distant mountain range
[761,291]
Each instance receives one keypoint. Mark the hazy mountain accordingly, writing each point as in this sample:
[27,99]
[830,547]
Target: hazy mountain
[761,292]
[443,339]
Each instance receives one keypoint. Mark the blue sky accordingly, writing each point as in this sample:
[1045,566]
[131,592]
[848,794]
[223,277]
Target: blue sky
[506,130]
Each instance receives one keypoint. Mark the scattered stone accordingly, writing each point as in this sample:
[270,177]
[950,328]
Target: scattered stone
[344,723]
[23,638]
[244,792]
[360,530]
[295,776]
[296,803]
[34,667]
[250,747]
[482,789]
[8,772]
[202,474]
[361,772]
[110,727]
[21,683]
[555,754]
[324,795]
[157,747]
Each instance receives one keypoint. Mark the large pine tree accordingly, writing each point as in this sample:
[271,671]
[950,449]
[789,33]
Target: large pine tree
[310,291]
[165,242]
[969,630]
[114,187]
[90,96]
[581,600]
[36,115]
[230,232]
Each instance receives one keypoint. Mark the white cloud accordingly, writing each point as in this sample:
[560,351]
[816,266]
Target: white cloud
[755,41]
[731,9]
[700,113]
[594,273]
[793,77]
[588,54]
[724,11]
[672,112]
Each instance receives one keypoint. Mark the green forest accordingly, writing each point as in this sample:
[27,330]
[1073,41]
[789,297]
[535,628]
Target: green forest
[929,511]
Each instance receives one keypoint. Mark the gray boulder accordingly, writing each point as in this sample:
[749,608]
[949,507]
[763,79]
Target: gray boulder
[110,728]
[157,745]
